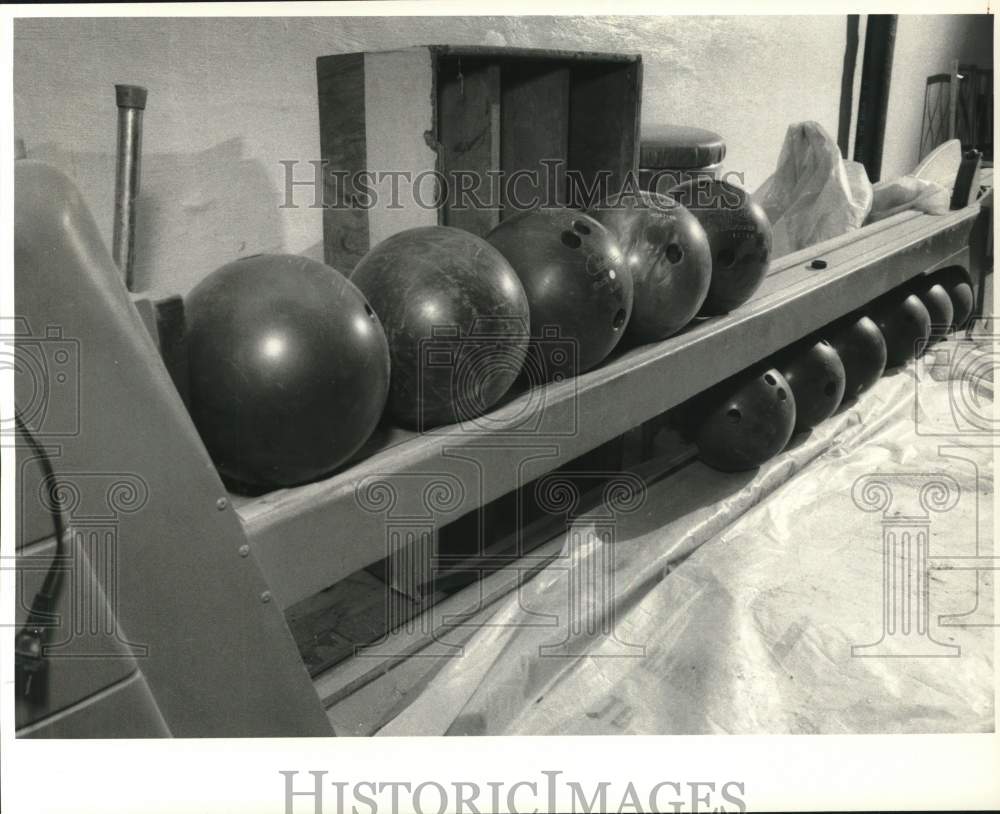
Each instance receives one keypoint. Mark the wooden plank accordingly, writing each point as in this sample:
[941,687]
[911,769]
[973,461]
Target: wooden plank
[603,104]
[309,537]
[370,706]
[442,628]
[954,89]
[438,633]
[171,338]
[876,73]
[400,141]
[329,625]
[381,120]
[505,52]
[847,83]
[342,143]
[362,608]
[469,139]
[534,134]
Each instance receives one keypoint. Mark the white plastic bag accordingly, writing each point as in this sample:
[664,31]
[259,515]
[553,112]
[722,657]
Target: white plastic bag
[908,192]
[814,194]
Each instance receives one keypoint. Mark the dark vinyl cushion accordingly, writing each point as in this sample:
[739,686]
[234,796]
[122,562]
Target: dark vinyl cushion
[678,147]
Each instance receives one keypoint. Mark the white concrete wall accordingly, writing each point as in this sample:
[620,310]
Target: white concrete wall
[926,45]
[229,98]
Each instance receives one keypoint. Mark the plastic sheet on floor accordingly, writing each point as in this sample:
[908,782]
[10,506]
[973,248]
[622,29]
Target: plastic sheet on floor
[844,587]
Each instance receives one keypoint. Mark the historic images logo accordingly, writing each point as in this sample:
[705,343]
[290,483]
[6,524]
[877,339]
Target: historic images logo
[911,503]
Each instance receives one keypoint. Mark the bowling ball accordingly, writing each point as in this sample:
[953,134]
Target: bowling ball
[745,420]
[905,324]
[938,305]
[739,234]
[861,347]
[957,283]
[578,284]
[817,378]
[289,369]
[668,255]
[456,319]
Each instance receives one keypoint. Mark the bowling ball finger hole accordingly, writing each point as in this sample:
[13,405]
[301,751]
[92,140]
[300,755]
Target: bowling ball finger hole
[571,240]
[582,228]
[782,395]
[770,379]
[370,312]
[726,258]
[674,253]
[734,415]
[619,319]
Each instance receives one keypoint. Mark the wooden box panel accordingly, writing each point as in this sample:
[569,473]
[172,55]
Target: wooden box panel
[403,131]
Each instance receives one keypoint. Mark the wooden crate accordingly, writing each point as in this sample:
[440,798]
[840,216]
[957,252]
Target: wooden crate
[438,111]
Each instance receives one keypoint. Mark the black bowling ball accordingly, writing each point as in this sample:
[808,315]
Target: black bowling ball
[289,369]
[739,234]
[456,318]
[938,304]
[861,347]
[669,257]
[578,285]
[905,324]
[744,421]
[817,377]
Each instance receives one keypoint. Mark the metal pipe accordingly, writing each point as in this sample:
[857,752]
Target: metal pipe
[131,102]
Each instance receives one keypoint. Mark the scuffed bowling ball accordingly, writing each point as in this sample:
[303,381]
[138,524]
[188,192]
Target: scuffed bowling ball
[959,287]
[667,252]
[289,369]
[817,378]
[938,305]
[861,347]
[905,324]
[578,285]
[739,234]
[744,421]
[456,318]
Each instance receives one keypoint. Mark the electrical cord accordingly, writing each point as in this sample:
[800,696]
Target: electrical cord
[30,664]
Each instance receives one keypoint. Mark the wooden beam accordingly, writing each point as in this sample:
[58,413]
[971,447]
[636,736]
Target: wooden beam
[873,103]
[469,136]
[534,128]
